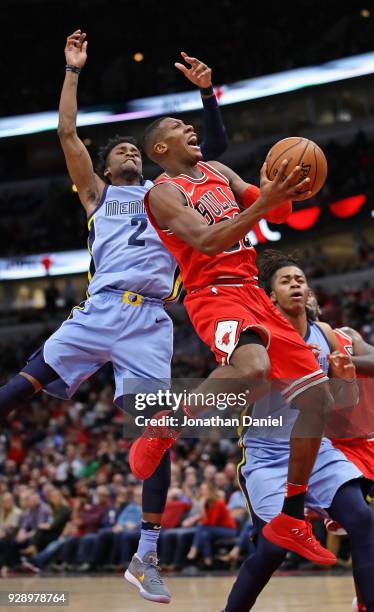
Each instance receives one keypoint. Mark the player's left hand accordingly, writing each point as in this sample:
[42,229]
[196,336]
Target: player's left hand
[341,366]
[199,73]
[316,350]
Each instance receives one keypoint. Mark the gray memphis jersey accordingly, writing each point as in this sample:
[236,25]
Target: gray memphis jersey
[273,405]
[126,252]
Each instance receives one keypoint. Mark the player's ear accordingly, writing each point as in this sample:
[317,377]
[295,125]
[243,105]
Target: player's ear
[160,148]
[107,173]
[273,297]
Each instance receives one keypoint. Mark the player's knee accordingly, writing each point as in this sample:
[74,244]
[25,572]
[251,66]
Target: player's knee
[317,402]
[257,369]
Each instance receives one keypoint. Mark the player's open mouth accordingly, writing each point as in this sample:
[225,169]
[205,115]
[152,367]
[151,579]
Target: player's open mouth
[297,295]
[192,142]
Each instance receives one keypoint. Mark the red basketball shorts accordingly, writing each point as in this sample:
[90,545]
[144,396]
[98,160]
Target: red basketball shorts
[220,314]
[360,451]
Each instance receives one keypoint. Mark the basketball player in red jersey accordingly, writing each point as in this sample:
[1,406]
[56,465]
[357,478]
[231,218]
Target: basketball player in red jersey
[359,448]
[195,208]
[357,424]
[360,420]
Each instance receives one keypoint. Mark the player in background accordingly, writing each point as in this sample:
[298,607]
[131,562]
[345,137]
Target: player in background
[131,276]
[357,424]
[195,209]
[335,483]
[354,427]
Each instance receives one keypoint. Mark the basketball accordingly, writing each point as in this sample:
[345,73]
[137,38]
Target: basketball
[299,152]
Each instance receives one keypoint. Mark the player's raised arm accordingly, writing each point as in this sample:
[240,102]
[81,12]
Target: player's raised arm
[215,137]
[78,161]
[168,206]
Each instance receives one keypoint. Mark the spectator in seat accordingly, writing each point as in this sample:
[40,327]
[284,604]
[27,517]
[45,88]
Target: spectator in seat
[98,553]
[10,516]
[88,518]
[127,529]
[243,546]
[69,470]
[48,534]
[176,509]
[215,522]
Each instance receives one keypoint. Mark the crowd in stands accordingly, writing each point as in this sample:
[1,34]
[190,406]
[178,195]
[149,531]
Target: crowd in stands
[67,498]
[69,502]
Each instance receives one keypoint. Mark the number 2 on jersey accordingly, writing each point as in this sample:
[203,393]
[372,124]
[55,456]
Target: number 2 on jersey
[142,222]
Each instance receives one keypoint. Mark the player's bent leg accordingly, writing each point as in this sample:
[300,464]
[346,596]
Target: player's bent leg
[249,369]
[315,406]
[34,376]
[143,570]
[352,512]
[289,529]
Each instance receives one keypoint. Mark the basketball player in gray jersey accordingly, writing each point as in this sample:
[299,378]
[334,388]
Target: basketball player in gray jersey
[131,276]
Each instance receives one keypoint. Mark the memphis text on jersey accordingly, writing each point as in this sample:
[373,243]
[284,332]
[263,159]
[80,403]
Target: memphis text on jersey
[114,208]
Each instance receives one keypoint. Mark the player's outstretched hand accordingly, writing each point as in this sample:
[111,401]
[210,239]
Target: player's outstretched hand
[199,73]
[341,366]
[76,49]
[281,189]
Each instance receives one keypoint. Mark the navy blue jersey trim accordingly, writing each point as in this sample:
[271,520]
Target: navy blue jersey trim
[306,337]
[101,202]
[323,334]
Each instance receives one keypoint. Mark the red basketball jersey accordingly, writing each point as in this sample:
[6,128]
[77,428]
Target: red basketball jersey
[211,196]
[360,419]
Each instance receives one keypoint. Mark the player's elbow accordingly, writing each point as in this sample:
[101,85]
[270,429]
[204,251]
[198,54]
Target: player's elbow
[208,248]
[65,132]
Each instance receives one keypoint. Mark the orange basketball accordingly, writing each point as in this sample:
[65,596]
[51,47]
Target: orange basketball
[299,152]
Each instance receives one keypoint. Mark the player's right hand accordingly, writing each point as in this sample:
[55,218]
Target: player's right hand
[276,192]
[76,49]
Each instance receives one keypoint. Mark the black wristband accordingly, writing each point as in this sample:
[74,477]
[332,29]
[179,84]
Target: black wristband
[207,91]
[71,68]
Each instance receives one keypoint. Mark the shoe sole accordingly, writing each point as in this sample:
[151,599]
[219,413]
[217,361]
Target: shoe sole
[157,598]
[289,544]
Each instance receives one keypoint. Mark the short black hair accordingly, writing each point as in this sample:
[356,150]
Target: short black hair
[270,262]
[104,152]
[149,133]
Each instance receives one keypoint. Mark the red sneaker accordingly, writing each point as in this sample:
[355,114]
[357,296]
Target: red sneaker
[148,450]
[296,535]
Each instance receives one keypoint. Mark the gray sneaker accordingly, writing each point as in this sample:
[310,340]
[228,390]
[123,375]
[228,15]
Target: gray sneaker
[144,574]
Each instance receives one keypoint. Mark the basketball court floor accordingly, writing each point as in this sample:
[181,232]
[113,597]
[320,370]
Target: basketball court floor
[322,593]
